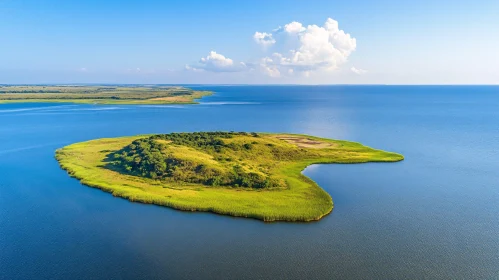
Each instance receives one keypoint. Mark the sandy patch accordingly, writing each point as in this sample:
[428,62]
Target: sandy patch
[304,142]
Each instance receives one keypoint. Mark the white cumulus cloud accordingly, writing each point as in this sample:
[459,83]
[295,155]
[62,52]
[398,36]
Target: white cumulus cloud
[294,27]
[216,62]
[264,39]
[358,71]
[308,49]
[269,68]
[296,50]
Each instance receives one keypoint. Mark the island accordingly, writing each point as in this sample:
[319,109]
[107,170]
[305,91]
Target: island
[104,94]
[254,175]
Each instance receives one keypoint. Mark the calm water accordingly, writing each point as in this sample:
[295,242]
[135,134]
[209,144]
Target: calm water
[433,216]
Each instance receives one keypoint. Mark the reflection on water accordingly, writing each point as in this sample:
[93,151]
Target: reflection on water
[432,216]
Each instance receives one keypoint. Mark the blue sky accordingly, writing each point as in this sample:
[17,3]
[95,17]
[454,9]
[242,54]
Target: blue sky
[318,42]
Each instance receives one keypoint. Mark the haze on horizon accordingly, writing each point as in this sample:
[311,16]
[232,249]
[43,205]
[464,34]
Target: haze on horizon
[257,42]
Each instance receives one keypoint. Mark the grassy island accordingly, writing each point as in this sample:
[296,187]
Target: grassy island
[255,175]
[100,94]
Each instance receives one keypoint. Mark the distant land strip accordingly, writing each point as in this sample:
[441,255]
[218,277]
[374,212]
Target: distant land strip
[99,94]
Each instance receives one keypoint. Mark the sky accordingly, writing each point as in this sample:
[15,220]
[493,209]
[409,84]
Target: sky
[249,42]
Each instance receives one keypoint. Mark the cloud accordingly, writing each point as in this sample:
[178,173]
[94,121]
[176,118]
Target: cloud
[268,67]
[296,50]
[358,71]
[216,62]
[307,49]
[190,68]
[294,27]
[264,39]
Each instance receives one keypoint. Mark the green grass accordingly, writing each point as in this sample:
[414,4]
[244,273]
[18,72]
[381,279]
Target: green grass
[280,156]
[100,94]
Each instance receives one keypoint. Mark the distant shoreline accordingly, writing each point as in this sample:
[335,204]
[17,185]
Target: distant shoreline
[101,95]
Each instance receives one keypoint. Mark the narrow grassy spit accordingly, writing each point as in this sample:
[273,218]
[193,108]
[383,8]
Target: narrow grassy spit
[233,173]
[100,94]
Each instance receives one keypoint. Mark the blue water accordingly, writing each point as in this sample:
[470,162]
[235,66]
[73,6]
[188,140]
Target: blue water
[433,216]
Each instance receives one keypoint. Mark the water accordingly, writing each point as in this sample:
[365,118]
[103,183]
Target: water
[432,216]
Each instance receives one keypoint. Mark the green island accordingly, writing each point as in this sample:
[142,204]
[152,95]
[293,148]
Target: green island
[254,175]
[100,94]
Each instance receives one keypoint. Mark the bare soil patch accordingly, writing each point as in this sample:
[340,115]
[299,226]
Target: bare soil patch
[304,142]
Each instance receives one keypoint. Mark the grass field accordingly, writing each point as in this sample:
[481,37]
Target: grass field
[281,157]
[100,94]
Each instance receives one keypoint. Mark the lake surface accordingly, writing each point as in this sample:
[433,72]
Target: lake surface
[433,216]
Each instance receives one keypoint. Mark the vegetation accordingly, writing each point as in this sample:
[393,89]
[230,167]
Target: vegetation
[234,173]
[100,94]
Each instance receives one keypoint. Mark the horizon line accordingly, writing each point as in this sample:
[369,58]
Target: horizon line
[226,84]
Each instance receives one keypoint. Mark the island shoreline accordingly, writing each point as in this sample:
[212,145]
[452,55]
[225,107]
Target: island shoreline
[137,188]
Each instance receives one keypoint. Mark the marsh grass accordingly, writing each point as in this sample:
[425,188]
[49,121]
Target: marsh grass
[301,200]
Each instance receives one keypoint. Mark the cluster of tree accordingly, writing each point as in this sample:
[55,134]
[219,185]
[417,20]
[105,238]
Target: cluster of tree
[148,158]
[204,140]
